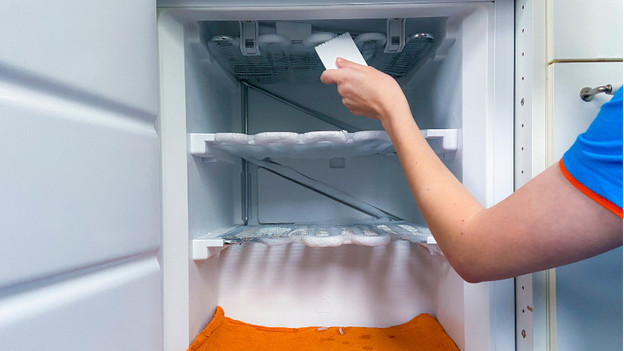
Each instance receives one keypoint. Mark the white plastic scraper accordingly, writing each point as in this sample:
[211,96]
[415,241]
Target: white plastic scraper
[341,46]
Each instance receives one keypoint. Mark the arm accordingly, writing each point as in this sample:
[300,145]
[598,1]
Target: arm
[544,224]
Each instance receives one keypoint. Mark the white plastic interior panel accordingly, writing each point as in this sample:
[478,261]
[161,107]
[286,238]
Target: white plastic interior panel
[500,294]
[269,115]
[312,206]
[375,180]
[571,115]
[296,285]
[175,183]
[586,29]
[116,308]
[313,145]
[85,56]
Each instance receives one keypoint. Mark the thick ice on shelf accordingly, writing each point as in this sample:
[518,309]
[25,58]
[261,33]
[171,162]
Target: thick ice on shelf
[374,233]
[280,59]
[368,233]
[312,145]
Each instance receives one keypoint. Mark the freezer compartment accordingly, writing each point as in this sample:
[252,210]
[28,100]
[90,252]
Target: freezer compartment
[312,145]
[295,159]
[227,190]
[259,150]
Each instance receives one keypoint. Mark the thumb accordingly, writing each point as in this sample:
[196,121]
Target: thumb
[344,63]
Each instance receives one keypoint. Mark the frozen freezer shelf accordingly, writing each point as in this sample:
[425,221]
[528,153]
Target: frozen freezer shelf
[312,145]
[277,58]
[313,235]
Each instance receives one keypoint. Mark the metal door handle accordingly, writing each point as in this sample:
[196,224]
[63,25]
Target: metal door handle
[587,93]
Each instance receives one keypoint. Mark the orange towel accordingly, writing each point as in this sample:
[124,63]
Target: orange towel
[223,333]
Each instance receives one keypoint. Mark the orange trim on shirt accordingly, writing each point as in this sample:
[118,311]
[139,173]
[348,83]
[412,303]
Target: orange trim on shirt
[585,190]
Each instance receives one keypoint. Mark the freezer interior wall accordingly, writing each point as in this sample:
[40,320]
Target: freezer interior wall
[214,105]
[295,285]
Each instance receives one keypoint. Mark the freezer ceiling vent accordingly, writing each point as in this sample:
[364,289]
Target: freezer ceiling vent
[276,58]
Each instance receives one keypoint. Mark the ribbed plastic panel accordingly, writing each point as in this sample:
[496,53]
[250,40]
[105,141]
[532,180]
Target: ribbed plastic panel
[282,60]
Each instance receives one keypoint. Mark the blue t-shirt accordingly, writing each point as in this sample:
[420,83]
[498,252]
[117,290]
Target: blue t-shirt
[594,162]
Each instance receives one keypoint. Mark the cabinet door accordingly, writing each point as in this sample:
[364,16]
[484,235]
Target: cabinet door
[571,115]
[586,29]
[79,185]
[589,292]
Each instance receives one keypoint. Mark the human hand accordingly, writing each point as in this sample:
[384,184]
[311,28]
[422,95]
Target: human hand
[366,91]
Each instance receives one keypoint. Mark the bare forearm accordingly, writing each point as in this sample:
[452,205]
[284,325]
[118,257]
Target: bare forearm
[546,223]
[444,202]
[538,227]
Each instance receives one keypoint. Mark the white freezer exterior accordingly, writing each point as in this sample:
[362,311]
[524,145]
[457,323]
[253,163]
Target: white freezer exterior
[79,186]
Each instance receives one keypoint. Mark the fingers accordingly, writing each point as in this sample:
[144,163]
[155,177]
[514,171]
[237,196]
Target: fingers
[333,76]
[330,76]
[344,63]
